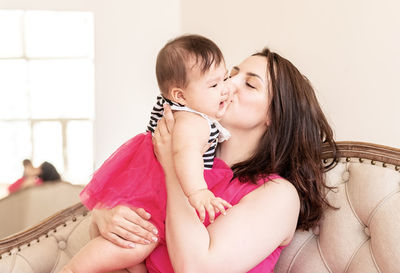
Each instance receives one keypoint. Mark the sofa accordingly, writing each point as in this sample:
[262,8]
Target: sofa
[362,235]
[27,207]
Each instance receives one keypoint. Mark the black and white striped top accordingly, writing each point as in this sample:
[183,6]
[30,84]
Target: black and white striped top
[217,132]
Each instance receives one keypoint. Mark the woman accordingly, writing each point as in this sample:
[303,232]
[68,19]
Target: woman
[278,128]
[32,176]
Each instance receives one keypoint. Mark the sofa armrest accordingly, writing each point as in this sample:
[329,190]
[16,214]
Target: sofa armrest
[48,246]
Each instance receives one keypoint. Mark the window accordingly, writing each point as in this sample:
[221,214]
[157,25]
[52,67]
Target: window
[46,92]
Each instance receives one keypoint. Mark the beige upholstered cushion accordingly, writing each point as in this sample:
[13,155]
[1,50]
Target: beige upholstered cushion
[363,235]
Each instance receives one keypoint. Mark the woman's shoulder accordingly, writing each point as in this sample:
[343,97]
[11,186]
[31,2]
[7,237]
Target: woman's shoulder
[277,193]
[277,205]
[279,187]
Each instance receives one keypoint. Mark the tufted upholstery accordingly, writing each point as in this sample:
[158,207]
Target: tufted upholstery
[49,245]
[362,236]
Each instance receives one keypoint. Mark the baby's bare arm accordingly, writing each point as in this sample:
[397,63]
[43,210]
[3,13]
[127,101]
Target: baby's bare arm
[190,135]
[190,138]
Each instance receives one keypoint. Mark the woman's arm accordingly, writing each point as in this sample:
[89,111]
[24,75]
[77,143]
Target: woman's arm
[237,242]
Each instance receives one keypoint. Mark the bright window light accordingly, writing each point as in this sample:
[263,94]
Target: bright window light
[59,34]
[80,151]
[13,89]
[61,88]
[47,144]
[47,92]
[11,34]
[15,146]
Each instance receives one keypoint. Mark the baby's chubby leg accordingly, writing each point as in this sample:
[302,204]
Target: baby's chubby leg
[93,230]
[101,255]
[140,268]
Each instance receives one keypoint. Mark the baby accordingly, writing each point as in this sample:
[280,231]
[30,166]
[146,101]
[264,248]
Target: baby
[191,75]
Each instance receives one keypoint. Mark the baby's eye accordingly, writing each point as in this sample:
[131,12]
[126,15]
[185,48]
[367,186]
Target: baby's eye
[215,85]
[227,78]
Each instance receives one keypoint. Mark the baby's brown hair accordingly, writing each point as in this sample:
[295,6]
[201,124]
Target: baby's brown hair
[174,59]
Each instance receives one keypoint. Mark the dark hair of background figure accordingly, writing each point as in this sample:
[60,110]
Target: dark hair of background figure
[49,172]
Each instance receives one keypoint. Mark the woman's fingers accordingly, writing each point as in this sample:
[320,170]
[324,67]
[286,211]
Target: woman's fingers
[139,236]
[127,223]
[142,213]
[162,127]
[115,239]
[169,117]
[205,148]
[135,233]
[143,220]
[135,223]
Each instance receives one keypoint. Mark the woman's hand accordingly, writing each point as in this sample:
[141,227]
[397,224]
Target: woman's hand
[125,226]
[162,138]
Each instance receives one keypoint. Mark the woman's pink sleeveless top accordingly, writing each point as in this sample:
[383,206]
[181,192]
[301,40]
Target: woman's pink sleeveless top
[218,181]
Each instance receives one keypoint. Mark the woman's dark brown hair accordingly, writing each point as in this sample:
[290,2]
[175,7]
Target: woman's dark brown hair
[292,144]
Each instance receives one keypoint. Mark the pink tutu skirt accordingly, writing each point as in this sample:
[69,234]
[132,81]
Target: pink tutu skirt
[132,176]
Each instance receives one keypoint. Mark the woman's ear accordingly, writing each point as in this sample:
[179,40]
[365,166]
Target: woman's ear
[178,95]
[267,121]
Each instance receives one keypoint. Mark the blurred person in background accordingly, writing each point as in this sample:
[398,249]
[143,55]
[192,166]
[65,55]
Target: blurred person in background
[32,176]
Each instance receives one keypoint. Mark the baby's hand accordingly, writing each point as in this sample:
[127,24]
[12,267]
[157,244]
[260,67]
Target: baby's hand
[204,200]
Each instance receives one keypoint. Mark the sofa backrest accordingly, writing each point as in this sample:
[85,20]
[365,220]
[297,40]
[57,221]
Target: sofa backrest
[29,206]
[363,235]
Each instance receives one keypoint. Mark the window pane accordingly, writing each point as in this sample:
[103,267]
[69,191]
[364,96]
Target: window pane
[47,144]
[80,151]
[13,89]
[59,34]
[10,33]
[15,146]
[61,88]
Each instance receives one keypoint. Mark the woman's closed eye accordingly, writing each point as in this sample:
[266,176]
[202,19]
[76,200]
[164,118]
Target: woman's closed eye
[249,85]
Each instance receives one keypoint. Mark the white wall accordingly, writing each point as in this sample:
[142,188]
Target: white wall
[350,50]
[128,35]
